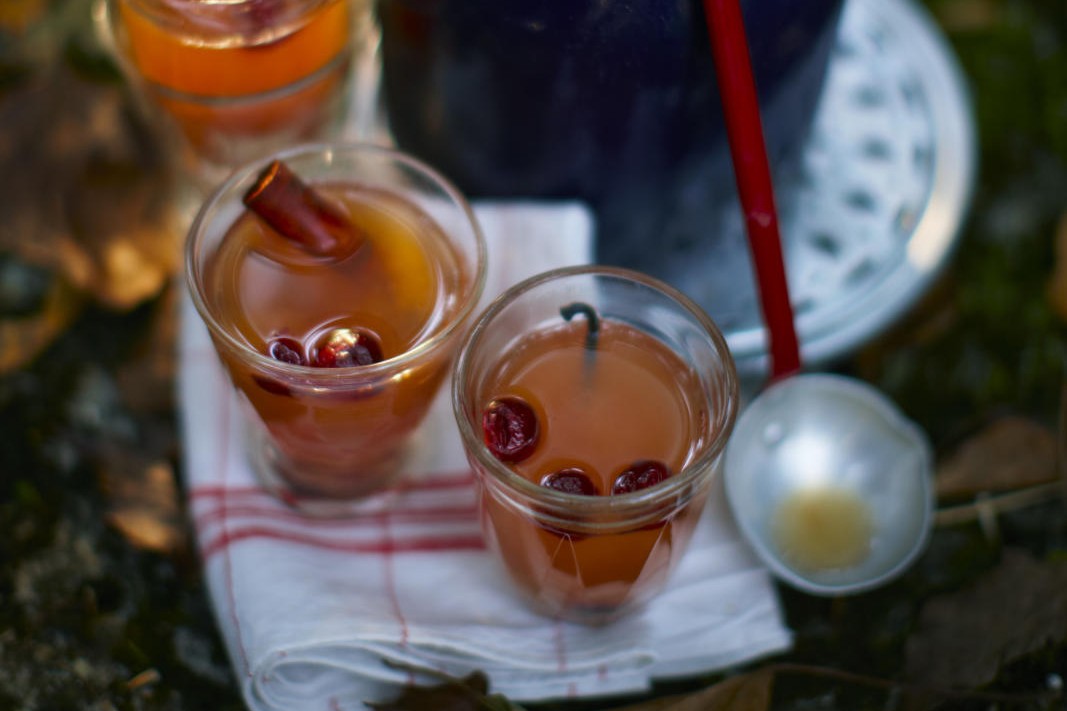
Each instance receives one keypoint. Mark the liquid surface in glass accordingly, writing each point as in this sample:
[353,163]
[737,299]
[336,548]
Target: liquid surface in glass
[630,399]
[601,409]
[403,284]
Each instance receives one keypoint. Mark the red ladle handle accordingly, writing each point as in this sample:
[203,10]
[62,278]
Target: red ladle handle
[744,130]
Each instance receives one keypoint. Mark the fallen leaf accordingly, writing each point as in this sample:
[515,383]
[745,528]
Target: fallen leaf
[132,268]
[86,190]
[143,501]
[87,187]
[1010,453]
[146,678]
[124,212]
[466,694]
[144,529]
[963,638]
[745,692]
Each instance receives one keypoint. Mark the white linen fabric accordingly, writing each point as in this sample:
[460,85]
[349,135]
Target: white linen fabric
[326,614]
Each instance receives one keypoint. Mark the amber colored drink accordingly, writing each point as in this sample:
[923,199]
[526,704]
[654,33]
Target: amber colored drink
[631,399]
[656,385]
[325,431]
[245,76]
[401,284]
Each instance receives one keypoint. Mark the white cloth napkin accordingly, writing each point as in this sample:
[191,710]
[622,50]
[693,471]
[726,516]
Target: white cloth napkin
[311,609]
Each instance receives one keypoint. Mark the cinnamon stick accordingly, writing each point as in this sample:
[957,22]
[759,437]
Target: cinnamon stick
[299,213]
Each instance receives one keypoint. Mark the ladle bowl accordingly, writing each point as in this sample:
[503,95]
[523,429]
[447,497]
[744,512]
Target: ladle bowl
[830,484]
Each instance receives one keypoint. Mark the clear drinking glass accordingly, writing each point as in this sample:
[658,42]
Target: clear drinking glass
[323,438]
[238,78]
[655,383]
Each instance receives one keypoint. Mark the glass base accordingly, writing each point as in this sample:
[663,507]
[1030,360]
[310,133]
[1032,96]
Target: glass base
[343,497]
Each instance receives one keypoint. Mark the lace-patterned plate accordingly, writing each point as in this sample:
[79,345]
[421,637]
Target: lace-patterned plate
[873,211]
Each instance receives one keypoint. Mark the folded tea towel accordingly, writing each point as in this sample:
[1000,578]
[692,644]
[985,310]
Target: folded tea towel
[326,614]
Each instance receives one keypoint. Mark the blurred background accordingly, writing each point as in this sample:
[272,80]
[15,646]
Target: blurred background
[101,599]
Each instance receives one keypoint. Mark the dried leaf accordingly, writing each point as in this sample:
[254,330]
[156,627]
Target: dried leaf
[963,638]
[466,694]
[87,187]
[746,692]
[146,678]
[124,215]
[145,530]
[144,502]
[1057,284]
[1010,453]
[132,267]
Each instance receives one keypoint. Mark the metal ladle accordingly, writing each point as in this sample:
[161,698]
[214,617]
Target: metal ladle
[828,481]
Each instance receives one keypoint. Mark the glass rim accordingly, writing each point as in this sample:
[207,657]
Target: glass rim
[556,502]
[162,13]
[308,373]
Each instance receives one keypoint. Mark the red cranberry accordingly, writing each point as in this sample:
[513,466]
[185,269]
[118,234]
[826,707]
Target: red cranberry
[640,475]
[346,347]
[287,350]
[571,481]
[510,429]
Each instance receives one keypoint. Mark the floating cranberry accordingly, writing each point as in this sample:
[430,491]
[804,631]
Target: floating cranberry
[571,481]
[346,347]
[510,429]
[640,475]
[287,350]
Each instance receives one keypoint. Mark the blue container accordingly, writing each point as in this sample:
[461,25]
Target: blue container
[610,101]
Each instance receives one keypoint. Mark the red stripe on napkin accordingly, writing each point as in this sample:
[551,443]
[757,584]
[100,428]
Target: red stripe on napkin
[418,544]
[460,514]
[437,481]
